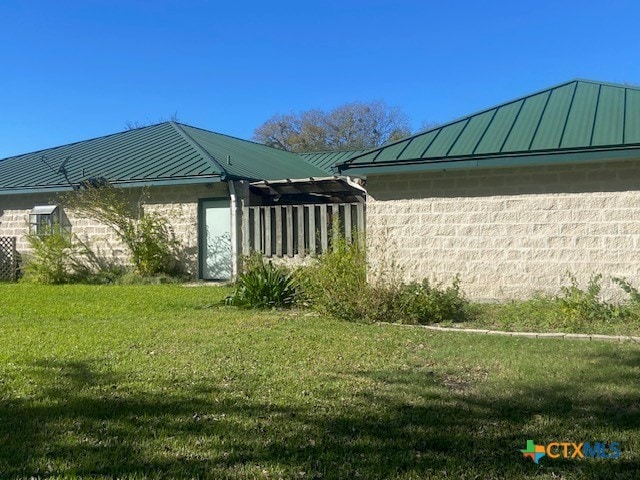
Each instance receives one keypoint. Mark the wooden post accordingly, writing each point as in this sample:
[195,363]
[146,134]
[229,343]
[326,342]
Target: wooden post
[347,222]
[312,229]
[324,243]
[279,231]
[267,231]
[300,212]
[289,216]
[334,221]
[246,231]
[360,220]
[257,230]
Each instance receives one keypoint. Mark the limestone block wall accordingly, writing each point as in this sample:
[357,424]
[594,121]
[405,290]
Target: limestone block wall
[178,203]
[509,232]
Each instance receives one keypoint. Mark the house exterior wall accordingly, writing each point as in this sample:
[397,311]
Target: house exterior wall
[177,203]
[509,232]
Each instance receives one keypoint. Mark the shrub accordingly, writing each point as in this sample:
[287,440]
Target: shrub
[336,285]
[263,285]
[148,236]
[633,292]
[574,309]
[90,267]
[426,303]
[153,246]
[580,306]
[48,263]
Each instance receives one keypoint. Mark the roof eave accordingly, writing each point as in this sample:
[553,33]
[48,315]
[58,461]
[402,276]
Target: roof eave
[156,182]
[496,161]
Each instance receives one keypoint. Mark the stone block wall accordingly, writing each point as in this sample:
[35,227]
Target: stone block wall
[509,232]
[178,203]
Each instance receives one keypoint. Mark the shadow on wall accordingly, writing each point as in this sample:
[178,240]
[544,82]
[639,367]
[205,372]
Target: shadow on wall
[188,258]
[586,178]
[218,262]
[87,421]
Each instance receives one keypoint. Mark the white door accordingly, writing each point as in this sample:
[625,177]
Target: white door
[215,239]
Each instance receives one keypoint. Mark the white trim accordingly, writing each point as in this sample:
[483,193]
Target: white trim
[43,209]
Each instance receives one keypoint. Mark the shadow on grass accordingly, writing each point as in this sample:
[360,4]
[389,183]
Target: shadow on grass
[420,425]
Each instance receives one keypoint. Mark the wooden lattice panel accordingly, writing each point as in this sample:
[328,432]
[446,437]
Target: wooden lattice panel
[8,259]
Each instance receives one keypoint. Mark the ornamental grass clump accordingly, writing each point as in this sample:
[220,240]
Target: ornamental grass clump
[264,285]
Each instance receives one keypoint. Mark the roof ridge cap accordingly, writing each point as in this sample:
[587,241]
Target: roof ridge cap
[181,131]
[294,155]
[607,84]
[77,142]
[327,152]
[234,138]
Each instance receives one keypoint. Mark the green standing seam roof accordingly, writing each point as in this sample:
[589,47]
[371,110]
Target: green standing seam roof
[164,154]
[327,160]
[574,117]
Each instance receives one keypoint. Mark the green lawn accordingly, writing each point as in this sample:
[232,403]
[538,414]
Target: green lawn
[158,382]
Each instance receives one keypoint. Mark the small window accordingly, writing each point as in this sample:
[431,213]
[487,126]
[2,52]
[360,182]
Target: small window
[43,218]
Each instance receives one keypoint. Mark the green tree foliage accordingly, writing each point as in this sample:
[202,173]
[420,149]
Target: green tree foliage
[354,125]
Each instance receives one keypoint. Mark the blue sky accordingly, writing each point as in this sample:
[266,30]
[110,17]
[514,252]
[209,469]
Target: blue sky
[77,70]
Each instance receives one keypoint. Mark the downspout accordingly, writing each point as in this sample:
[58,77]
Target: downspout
[235,237]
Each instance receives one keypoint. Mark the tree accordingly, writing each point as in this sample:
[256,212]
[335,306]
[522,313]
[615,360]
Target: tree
[350,126]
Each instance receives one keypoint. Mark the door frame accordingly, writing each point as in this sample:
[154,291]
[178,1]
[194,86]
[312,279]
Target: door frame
[202,232]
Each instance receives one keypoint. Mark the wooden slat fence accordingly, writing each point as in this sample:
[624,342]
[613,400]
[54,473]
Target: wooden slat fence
[8,259]
[299,230]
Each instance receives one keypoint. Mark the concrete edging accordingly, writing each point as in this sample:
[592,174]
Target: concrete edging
[563,336]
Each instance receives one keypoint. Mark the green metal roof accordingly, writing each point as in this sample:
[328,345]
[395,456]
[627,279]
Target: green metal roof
[562,121]
[251,160]
[327,160]
[164,154]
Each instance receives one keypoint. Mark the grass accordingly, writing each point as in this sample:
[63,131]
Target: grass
[137,382]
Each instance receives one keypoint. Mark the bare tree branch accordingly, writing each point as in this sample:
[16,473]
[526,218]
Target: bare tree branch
[351,126]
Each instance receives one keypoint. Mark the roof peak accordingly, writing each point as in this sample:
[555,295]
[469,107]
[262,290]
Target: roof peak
[199,148]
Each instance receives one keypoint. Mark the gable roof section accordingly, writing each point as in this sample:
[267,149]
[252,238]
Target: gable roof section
[561,123]
[163,154]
